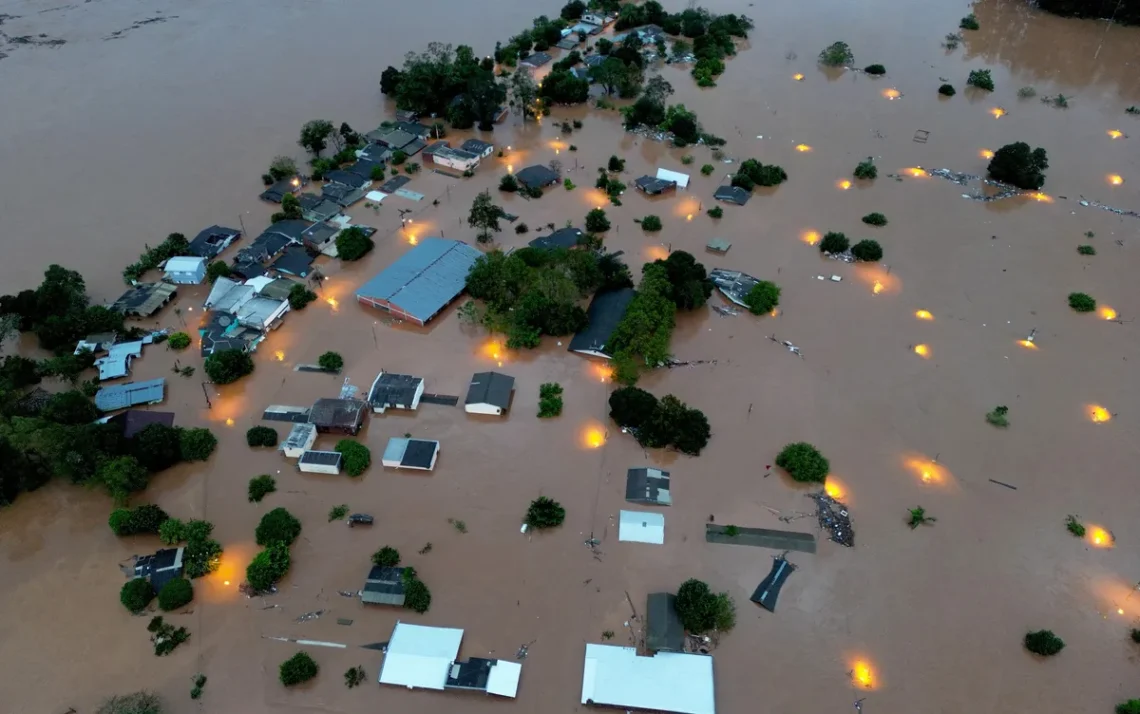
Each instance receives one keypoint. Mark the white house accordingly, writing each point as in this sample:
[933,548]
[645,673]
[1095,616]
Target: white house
[457,159]
[479,148]
[186,270]
[682,180]
[595,18]
[320,462]
[404,453]
[642,527]
[422,657]
[300,440]
[262,313]
[614,676]
[395,391]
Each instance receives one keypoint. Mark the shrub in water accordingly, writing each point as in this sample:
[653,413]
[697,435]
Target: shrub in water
[1044,643]
[803,462]
[981,79]
[866,169]
[416,595]
[330,362]
[261,436]
[386,557]
[297,669]
[651,224]
[509,183]
[875,69]
[715,212]
[357,457]
[549,400]
[867,250]
[277,526]
[1086,250]
[762,297]
[1017,164]
[969,22]
[522,228]
[545,513]
[1076,528]
[179,340]
[1082,302]
[596,221]
[136,594]
[875,219]
[837,54]
[997,416]
[175,594]
[1132,706]
[260,487]
[707,169]
[833,243]
[268,566]
[947,90]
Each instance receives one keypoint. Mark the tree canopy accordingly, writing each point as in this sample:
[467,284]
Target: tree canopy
[278,526]
[660,423]
[1019,165]
[353,244]
[226,366]
[484,216]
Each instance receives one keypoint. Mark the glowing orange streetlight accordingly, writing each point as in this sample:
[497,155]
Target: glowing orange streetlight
[843,185]
[1106,312]
[877,288]
[863,675]
[810,237]
[229,421]
[916,171]
[986,154]
[1041,197]
[998,112]
[279,355]
[1116,179]
[1099,414]
[802,148]
[1099,537]
[604,372]
[832,487]
[924,315]
[798,77]
[332,303]
[593,437]
[892,94]
[922,351]
[1028,344]
[1115,133]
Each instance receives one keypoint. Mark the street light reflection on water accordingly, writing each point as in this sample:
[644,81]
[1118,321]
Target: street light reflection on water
[593,436]
[863,674]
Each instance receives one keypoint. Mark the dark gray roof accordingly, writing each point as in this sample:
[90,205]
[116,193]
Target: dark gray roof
[537,176]
[649,486]
[346,178]
[341,194]
[337,413]
[212,241]
[419,453]
[654,186]
[277,191]
[291,228]
[296,260]
[594,60]
[768,591]
[472,674]
[413,128]
[537,59]
[491,388]
[145,299]
[394,390]
[135,420]
[475,146]
[322,458]
[732,194]
[733,284]
[561,238]
[394,183]
[663,628]
[605,312]
[384,586]
[129,394]
[392,138]
[160,568]
[432,148]
[247,268]
[222,332]
[425,279]
[318,234]
[364,167]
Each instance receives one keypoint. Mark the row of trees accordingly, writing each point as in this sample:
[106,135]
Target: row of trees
[275,533]
[58,312]
[534,292]
[447,82]
[174,245]
[656,424]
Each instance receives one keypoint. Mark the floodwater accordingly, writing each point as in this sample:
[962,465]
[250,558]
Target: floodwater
[109,144]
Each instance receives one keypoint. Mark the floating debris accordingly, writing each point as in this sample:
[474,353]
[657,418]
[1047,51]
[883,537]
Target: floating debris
[834,518]
[725,311]
[314,615]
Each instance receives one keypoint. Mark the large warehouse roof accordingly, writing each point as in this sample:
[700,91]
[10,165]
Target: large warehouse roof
[423,280]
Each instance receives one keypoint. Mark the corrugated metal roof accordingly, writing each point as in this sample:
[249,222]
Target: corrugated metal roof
[491,388]
[425,279]
[605,312]
[420,656]
[641,527]
[667,682]
[121,396]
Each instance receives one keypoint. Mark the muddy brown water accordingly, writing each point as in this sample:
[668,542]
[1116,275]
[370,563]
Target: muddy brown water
[109,144]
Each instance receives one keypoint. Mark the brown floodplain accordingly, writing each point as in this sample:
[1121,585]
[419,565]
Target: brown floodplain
[111,141]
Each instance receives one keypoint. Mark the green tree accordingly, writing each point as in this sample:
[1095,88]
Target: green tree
[803,462]
[291,207]
[631,407]
[217,269]
[696,605]
[867,250]
[300,297]
[136,594]
[866,169]
[549,400]
[834,243]
[387,557]
[875,219]
[1044,643]
[523,92]
[268,567]
[357,457]
[179,340]
[157,447]
[298,669]
[261,436]
[1082,302]
[203,554]
[175,593]
[560,86]
[260,487]
[227,366]
[417,597]
[981,79]
[947,90]
[278,526]
[651,224]
[573,10]
[331,362]
[762,297]
[121,477]
[135,703]
[509,183]
[147,518]
[1132,706]
[120,521]
[1019,165]
[314,136]
[596,221]
[545,512]
[172,531]
[70,407]
[837,54]
[353,244]
[752,173]
[197,444]
[484,216]
[282,167]
[690,286]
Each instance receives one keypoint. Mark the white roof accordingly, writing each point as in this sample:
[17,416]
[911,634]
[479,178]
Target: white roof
[258,284]
[184,264]
[668,681]
[642,527]
[420,656]
[667,175]
[504,678]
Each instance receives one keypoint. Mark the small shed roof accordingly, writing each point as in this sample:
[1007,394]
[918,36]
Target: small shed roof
[425,279]
[384,586]
[720,245]
[337,413]
[654,186]
[476,146]
[135,420]
[185,264]
[413,453]
[491,388]
[676,177]
[732,194]
[322,458]
[649,486]
[145,299]
[666,682]
[537,176]
[605,312]
[347,178]
[561,238]
[300,435]
[121,396]
[641,527]
[664,630]
[536,59]
[420,656]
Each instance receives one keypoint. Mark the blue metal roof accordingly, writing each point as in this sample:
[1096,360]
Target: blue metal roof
[121,396]
[425,279]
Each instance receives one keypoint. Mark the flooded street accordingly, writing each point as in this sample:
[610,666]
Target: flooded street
[112,141]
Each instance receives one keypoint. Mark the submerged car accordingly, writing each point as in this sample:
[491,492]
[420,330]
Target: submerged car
[359,519]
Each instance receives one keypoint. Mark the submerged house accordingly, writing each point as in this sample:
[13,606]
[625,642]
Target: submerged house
[384,586]
[537,176]
[641,527]
[135,420]
[480,148]
[222,331]
[130,394]
[395,391]
[489,393]
[320,462]
[732,194]
[654,186]
[185,270]
[733,284]
[317,208]
[605,312]
[145,299]
[614,676]
[664,631]
[296,260]
[562,238]
[212,241]
[648,486]
[535,60]
[162,567]
[422,657]
[404,453]
[344,416]
[422,281]
[280,189]
[301,438]
[262,313]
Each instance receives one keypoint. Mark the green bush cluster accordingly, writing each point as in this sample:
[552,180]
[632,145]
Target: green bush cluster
[352,243]
[752,173]
[298,669]
[651,224]
[1044,643]
[875,219]
[300,297]
[268,567]
[1019,165]
[261,436]
[701,610]
[356,456]
[227,366]
[387,557]
[804,462]
[173,246]
[260,487]
[1082,302]
[545,512]
[331,362]
[947,90]
[867,251]
[136,594]
[278,526]
[981,79]
[179,340]
[133,521]
[762,297]
[175,593]
[656,424]
[837,54]
[834,243]
[866,169]
[549,400]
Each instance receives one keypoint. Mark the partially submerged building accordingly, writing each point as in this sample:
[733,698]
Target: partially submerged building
[489,393]
[342,416]
[135,420]
[732,194]
[320,462]
[384,586]
[456,159]
[422,657]
[535,60]
[654,186]
[605,312]
[648,486]
[301,438]
[676,177]
[562,238]
[278,190]
[162,567]
[296,261]
[145,299]
[733,284]
[614,676]
[479,148]
[537,176]
[222,331]
[130,394]
[316,208]
[641,527]
[421,282]
[664,631]
[117,362]
[404,453]
[210,242]
[185,270]
[395,391]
